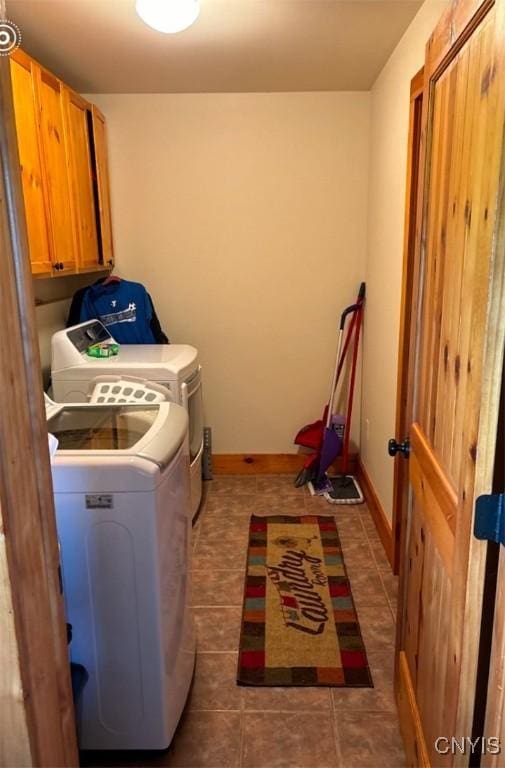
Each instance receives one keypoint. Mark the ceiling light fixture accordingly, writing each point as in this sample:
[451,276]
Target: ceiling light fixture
[169,16]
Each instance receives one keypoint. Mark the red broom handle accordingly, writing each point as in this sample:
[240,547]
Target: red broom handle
[340,362]
[346,345]
[349,333]
[347,435]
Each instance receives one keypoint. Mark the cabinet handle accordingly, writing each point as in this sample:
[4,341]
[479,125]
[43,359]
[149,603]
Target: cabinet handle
[110,262]
[57,266]
[62,266]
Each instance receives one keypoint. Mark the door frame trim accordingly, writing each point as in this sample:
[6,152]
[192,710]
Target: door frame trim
[406,362]
[26,495]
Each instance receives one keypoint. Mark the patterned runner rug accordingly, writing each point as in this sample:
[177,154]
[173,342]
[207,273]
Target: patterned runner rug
[299,623]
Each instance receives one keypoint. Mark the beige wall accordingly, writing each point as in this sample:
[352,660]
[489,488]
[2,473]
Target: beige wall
[50,318]
[386,205]
[245,216]
[52,297]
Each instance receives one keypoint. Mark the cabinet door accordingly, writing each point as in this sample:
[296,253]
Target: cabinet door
[55,154]
[83,202]
[27,129]
[102,178]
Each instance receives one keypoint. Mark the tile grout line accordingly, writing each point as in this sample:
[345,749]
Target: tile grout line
[336,735]
[388,598]
[307,711]
[242,725]
[232,605]
[218,570]
[241,756]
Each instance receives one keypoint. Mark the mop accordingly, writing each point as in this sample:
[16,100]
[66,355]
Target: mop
[312,435]
[329,439]
[344,488]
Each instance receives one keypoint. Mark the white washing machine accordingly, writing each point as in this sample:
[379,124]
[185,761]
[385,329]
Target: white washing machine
[175,366]
[122,497]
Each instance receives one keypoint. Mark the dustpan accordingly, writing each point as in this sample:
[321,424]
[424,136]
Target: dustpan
[343,489]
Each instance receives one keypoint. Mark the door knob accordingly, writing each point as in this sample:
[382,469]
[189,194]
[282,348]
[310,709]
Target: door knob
[403,448]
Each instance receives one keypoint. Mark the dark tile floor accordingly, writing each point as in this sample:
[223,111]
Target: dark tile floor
[226,726]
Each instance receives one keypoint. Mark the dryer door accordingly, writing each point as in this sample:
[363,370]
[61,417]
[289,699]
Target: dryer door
[192,399]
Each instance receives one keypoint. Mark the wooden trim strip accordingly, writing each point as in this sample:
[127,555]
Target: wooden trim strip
[409,303]
[434,474]
[411,727]
[437,499]
[417,85]
[377,511]
[266,463]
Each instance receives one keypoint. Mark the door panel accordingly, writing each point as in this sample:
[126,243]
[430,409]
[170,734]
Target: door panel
[55,148]
[25,109]
[83,204]
[435,495]
[102,174]
[459,357]
[428,603]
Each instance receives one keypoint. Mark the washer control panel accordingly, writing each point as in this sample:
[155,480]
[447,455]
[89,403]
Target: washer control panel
[86,335]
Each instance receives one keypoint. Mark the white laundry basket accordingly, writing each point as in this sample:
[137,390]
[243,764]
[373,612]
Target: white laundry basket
[126,389]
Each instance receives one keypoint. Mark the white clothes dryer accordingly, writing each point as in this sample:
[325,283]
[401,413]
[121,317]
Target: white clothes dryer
[174,366]
[122,498]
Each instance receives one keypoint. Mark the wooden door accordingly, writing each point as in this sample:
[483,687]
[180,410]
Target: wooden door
[27,128]
[102,181]
[56,161]
[83,202]
[458,334]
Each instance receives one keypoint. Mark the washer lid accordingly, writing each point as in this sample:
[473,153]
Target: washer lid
[156,362]
[154,432]
[176,357]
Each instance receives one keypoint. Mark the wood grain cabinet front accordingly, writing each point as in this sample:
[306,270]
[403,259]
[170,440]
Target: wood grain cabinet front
[102,186]
[30,158]
[63,158]
[82,172]
[56,155]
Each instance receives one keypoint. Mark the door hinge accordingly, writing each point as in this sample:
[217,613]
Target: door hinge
[490,518]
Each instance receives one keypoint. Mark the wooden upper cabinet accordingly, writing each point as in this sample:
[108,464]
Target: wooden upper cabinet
[102,181]
[27,129]
[57,167]
[63,157]
[82,173]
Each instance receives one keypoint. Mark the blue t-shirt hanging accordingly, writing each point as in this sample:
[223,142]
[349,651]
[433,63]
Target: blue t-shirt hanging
[123,307]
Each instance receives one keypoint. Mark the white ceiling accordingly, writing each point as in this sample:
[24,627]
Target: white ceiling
[101,46]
